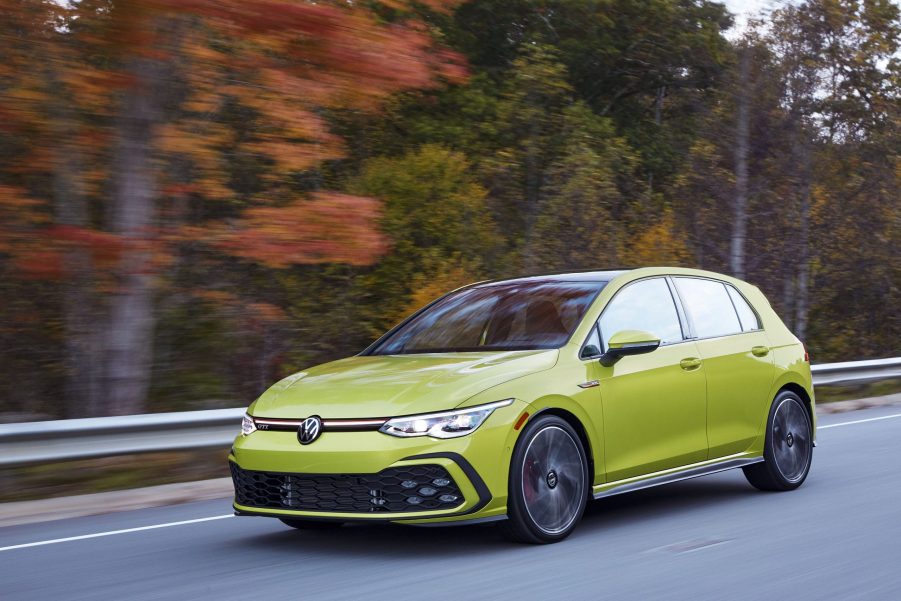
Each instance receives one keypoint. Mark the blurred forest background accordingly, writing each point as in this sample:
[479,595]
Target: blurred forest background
[198,197]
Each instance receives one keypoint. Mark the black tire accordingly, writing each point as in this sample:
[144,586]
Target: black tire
[548,478]
[788,449]
[310,524]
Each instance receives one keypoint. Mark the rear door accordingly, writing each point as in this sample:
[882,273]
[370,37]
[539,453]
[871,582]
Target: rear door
[737,361]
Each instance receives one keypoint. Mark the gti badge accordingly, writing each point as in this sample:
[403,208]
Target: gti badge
[309,430]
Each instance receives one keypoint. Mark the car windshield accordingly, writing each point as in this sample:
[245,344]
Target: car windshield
[517,315]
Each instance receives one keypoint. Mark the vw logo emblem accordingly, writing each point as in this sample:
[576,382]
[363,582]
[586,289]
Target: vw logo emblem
[309,430]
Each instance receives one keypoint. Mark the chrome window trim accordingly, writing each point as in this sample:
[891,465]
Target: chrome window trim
[724,283]
[759,327]
[672,299]
[597,323]
[680,310]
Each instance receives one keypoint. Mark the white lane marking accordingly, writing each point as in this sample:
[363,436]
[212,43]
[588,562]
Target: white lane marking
[112,532]
[693,545]
[859,421]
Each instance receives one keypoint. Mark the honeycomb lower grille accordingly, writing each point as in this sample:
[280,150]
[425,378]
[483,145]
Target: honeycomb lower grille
[394,490]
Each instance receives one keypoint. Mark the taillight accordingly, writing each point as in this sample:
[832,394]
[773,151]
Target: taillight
[806,354]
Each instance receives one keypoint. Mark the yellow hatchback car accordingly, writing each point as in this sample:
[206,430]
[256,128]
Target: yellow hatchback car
[519,400]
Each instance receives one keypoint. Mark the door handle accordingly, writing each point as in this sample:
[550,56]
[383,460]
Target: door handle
[690,363]
[760,351]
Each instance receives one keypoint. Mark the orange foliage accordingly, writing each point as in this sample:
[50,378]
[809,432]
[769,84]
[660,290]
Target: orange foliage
[658,244]
[284,60]
[427,288]
[40,264]
[329,228]
[19,216]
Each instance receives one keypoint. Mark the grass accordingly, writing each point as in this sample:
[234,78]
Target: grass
[111,473]
[831,394]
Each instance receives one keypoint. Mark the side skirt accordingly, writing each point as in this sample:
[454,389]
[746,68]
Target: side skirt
[686,472]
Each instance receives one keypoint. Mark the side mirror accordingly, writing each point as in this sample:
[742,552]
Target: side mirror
[629,342]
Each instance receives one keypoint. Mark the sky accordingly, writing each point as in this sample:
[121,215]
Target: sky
[743,8]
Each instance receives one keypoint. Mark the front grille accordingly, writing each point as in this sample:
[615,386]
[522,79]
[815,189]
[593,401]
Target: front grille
[394,490]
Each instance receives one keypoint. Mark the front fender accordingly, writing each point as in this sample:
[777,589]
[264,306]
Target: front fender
[557,403]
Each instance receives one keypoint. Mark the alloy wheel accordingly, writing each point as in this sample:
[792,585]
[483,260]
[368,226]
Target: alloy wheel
[791,439]
[553,484]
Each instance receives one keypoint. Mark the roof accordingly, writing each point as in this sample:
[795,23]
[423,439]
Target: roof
[606,275]
[571,276]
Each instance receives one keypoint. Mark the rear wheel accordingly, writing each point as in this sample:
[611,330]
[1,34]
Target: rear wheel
[548,486]
[311,524]
[788,448]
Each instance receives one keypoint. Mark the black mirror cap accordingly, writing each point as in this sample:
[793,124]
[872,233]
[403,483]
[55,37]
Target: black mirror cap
[609,358]
[615,354]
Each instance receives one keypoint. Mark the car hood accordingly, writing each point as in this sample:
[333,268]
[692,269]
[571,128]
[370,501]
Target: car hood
[392,385]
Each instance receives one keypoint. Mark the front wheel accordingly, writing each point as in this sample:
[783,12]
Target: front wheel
[788,448]
[548,486]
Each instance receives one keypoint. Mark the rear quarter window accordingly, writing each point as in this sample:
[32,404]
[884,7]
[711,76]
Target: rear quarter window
[746,315]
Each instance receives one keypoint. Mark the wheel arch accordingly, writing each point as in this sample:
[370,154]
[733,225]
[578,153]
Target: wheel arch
[808,403]
[791,382]
[573,420]
[801,392]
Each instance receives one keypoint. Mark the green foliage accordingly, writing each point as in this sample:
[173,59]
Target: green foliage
[437,219]
[581,222]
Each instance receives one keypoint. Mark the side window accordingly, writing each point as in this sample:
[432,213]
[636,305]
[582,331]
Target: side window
[746,315]
[644,305]
[592,347]
[709,307]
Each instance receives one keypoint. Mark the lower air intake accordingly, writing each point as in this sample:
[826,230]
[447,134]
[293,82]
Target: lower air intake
[394,490]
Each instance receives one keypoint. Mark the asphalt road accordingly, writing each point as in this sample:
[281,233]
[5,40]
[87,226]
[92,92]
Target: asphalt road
[837,537]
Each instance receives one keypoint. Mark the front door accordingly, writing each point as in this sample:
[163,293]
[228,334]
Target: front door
[654,405]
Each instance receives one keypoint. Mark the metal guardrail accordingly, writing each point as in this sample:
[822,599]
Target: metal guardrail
[61,440]
[856,372]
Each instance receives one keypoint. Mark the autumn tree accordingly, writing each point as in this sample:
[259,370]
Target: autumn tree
[149,83]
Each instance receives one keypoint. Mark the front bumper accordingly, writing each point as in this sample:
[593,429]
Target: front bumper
[358,476]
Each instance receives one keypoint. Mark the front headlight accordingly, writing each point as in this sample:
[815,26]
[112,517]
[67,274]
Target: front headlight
[248,426]
[448,424]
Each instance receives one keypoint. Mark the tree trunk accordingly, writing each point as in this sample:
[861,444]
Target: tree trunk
[740,203]
[803,294]
[533,167]
[658,120]
[83,348]
[788,296]
[129,342]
